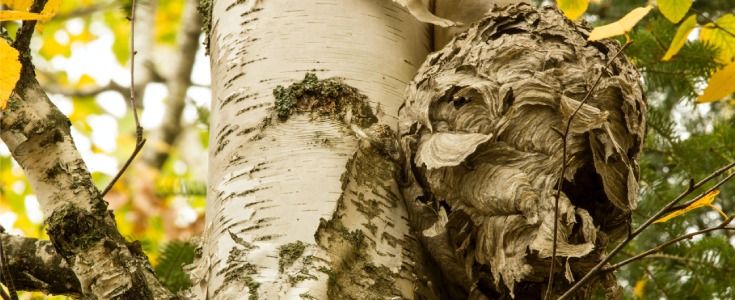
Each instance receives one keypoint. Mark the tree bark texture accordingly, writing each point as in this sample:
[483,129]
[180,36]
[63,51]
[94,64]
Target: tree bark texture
[36,266]
[284,218]
[482,132]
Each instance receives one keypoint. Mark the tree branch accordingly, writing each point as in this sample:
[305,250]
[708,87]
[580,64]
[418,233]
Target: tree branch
[79,225]
[85,11]
[36,266]
[85,92]
[722,226]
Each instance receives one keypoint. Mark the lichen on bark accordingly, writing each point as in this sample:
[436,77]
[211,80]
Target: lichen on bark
[328,97]
[480,135]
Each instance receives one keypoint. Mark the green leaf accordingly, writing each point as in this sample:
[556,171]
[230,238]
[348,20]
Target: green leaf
[680,38]
[674,10]
[573,9]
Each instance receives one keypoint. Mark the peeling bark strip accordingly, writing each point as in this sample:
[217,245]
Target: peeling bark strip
[480,134]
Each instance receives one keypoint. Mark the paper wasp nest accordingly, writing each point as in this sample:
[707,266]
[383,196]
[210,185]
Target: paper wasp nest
[481,131]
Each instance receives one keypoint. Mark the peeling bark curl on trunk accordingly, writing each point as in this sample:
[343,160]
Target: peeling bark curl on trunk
[480,136]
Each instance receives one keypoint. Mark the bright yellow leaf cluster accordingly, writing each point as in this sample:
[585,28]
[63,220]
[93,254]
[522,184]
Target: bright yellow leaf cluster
[20,10]
[718,34]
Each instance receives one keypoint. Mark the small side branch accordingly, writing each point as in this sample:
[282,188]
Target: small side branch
[139,140]
[722,226]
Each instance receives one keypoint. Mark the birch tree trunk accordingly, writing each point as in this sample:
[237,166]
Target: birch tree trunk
[292,210]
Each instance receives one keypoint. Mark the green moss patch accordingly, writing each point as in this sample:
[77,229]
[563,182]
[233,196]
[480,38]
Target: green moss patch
[328,97]
[288,253]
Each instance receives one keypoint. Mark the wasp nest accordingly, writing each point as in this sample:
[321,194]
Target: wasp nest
[482,136]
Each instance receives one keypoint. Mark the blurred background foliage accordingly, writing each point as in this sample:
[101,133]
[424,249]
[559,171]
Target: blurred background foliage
[82,58]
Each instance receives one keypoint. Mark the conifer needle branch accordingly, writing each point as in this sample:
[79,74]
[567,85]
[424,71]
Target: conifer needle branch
[692,186]
[722,226]
[564,165]
[139,140]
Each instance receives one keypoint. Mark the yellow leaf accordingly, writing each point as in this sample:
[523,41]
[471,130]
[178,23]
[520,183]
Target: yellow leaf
[704,201]
[622,26]
[11,71]
[19,5]
[674,10]
[720,85]
[680,38]
[85,80]
[719,35]
[52,6]
[573,9]
[640,287]
[11,15]
[51,48]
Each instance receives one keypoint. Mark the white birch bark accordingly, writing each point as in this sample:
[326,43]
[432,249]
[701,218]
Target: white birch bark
[276,184]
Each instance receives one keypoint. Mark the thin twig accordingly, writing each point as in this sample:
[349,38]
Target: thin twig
[139,140]
[564,165]
[692,186]
[714,24]
[670,242]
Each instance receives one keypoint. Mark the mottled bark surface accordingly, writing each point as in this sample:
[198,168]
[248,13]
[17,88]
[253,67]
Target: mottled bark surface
[480,132]
[36,266]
